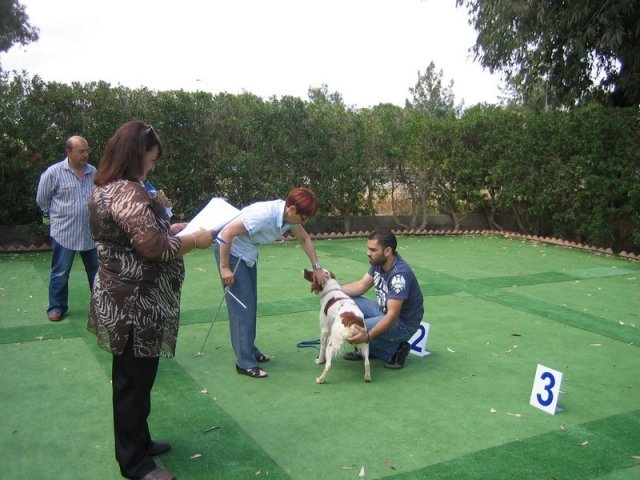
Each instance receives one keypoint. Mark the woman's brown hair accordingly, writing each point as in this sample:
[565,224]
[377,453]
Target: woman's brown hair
[123,157]
[304,201]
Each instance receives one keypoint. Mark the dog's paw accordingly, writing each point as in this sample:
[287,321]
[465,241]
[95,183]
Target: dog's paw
[319,361]
[319,380]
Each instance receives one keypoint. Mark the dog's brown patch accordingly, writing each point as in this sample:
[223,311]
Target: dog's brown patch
[308,275]
[350,318]
[331,301]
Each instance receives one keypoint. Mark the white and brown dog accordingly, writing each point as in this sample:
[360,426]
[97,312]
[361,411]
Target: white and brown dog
[339,316]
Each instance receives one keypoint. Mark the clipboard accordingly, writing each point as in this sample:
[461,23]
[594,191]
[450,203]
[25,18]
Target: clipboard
[215,215]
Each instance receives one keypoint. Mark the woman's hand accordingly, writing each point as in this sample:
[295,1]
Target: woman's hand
[177,227]
[162,198]
[191,241]
[226,274]
[204,238]
[319,277]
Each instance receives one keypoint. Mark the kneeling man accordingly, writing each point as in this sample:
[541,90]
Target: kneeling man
[396,316]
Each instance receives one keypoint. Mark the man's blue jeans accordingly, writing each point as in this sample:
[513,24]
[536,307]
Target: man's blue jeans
[385,345]
[61,263]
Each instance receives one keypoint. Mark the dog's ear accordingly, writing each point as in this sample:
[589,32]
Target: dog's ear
[308,275]
[315,286]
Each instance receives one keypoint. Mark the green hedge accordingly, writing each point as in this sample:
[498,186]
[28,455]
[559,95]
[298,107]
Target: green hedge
[573,174]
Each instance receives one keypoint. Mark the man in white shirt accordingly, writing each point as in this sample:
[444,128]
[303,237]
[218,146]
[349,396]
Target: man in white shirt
[63,197]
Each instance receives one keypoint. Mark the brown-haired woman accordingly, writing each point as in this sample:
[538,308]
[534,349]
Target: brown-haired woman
[135,305]
[237,251]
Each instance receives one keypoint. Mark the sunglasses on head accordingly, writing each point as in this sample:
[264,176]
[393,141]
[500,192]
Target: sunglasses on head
[150,131]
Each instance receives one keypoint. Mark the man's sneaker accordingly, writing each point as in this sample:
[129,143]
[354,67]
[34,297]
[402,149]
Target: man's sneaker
[397,361]
[353,356]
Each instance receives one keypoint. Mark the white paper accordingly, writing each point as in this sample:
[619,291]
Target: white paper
[214,216]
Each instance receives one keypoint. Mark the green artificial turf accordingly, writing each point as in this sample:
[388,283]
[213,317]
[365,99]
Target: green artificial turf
[498,307]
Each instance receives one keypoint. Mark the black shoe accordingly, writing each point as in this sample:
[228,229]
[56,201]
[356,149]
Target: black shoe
[158,448]
[398,359]
[353,356]
[55,316]
[159,474]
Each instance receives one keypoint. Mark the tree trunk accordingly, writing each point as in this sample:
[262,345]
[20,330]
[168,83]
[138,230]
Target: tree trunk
[490,215]
[521,225]
[347,223]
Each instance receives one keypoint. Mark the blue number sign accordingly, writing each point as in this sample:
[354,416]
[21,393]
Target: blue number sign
[546,389]
[419,340]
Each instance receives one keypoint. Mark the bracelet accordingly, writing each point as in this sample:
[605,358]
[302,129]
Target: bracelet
[195,242]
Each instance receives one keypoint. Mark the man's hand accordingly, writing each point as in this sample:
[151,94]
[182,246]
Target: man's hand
[362,336]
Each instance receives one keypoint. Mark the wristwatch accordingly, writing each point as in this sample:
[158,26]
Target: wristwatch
[317,266]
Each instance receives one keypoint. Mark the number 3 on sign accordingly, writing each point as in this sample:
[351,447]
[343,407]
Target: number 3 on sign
[546,389]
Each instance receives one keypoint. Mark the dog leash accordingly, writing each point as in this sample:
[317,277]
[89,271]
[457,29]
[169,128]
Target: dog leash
[309,344]
[224,296]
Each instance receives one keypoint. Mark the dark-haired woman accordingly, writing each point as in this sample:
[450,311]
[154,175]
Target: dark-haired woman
[237,251]
[135,305]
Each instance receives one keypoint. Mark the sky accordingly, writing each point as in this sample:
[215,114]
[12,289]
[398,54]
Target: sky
[369,51]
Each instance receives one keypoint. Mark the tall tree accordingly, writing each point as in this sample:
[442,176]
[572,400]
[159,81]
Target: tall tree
[14,26]
[430,95]
[335,154]
[581,49]
[533,99]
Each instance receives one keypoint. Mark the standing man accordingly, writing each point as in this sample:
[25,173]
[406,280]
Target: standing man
[63,196]
[396,316]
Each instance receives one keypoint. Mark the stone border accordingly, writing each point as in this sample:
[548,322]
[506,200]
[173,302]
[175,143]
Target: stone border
[502,233]
[17,247]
